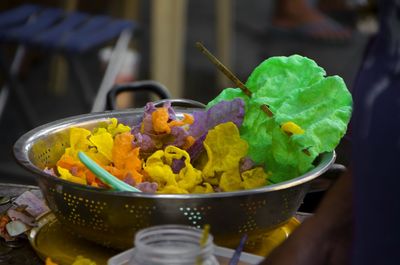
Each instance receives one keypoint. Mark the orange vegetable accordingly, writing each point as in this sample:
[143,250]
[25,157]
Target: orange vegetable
[160,120]
[188,142]
[187,120]
[76,168]
[126,158]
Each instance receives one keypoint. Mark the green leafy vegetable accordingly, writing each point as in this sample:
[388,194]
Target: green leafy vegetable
[296,90]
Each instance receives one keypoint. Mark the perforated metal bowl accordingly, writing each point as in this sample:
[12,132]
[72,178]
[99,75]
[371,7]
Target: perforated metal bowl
[111,218]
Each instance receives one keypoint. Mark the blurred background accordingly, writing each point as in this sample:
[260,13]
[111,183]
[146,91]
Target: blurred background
[240,33]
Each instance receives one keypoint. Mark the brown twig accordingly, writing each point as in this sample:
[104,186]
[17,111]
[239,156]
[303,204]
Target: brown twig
[266,109]
[230,75]
[223,69]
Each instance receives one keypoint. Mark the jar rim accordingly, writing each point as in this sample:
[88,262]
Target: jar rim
[145,238]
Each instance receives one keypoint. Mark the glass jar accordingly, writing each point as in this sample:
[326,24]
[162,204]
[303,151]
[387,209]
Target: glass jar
[172,245]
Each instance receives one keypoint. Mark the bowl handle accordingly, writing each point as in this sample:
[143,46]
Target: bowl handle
[146,85]
[326,180]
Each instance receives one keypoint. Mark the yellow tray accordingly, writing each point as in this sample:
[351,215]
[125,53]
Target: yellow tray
[50,239]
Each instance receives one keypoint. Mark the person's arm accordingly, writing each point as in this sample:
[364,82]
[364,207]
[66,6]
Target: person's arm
[325,237]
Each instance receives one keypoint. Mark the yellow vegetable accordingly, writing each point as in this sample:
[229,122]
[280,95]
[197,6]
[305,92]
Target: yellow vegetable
[115,128]
[158,171]
[188,176]
[65,174]
[291,128]
[224,149]
[103,140]
[78,139]
[254,178]
[171,189]
[203,188]
[230,180]
[158,167]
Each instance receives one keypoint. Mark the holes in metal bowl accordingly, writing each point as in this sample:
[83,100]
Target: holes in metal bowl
[84,212]
[141,214]
[250,208]
[195,216]
[44,156]
[47,152]
[250,225]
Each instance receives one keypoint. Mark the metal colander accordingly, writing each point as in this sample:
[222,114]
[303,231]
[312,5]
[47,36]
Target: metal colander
[111,218]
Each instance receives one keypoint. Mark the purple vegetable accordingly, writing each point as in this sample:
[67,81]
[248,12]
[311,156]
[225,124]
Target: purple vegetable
[129,179]
[145,142]
[179,135]
[177,165]
[73,170]
[50,171]
[245,164]
[149,187]
[194,152]
[196,148]
[147,123]
[171,111]
[148,140]
[222,112]
[149,109]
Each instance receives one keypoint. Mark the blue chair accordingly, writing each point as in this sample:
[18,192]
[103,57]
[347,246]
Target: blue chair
[57,31]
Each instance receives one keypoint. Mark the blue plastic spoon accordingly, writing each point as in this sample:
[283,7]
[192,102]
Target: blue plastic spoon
[104,175]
